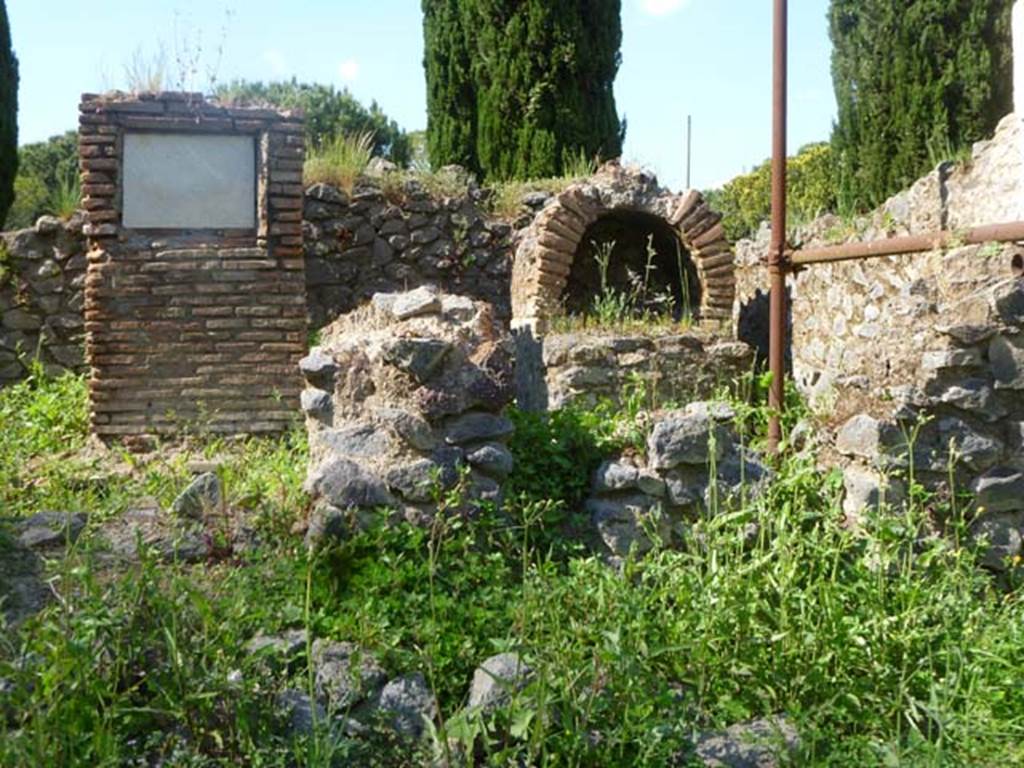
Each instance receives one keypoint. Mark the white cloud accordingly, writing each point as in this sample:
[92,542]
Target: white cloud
[349,70]
[662,7]
[276,61]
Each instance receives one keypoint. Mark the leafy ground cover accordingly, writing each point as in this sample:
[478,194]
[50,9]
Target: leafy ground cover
[883,646]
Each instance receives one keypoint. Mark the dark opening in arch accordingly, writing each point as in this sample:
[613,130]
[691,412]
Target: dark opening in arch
[636,244]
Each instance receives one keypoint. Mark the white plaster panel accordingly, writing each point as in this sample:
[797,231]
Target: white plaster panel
[189,181]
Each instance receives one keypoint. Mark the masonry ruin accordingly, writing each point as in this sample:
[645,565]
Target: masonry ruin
[194,301]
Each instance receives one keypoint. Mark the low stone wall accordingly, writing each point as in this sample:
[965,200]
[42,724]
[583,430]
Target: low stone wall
[42,273]
[634,498]
[587,367]
[396,236]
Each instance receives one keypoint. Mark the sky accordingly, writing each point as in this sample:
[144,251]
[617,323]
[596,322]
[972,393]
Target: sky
[707,58]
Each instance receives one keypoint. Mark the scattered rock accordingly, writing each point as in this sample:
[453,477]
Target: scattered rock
[760,743]
[868,490]
[284,647]
[410,704]
[202,496]
[49,529]
[344,674]
[497,679]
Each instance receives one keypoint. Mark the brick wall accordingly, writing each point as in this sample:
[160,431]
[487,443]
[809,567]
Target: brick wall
[201,327]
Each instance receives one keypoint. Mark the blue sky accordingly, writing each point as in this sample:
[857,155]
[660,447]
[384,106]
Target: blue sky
[708,58]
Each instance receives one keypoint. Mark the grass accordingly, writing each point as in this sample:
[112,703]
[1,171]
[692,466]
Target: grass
[66,197]
[340,162]
[883,646]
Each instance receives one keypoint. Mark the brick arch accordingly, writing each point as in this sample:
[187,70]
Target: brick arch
[546,251]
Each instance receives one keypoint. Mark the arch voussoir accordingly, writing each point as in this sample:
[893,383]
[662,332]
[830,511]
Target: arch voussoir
[546,252]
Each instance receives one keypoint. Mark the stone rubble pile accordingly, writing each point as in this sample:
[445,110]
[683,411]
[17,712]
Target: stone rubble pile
[405,400]
[695,464]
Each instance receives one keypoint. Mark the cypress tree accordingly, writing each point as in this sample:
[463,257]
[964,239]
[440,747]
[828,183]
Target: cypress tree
[8,116]
[522,88]
[916,82]
[451,93]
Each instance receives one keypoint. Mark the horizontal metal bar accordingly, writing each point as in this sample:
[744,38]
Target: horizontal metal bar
[895,246]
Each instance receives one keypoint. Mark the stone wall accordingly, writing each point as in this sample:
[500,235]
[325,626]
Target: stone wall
[587,367]
[42,274]
[886,345]
[186,326]
[355,245]
[862,327]
[397,236]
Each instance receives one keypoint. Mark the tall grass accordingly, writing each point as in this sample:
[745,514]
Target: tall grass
[884,645]
[65,199]
[340,162]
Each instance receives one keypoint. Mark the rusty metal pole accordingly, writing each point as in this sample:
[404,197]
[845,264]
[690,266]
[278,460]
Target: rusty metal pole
[777,252]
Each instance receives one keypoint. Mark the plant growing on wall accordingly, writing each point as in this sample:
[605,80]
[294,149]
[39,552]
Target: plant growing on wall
[915,83]
[8,115]
[522,90]
[330,114]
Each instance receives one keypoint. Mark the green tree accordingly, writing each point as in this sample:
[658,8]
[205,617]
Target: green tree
[521,89]
[8,115]
[329,113]
[43,167]
[451,91]
[916,81]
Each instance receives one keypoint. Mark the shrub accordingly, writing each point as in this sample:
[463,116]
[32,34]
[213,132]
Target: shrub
[746,200]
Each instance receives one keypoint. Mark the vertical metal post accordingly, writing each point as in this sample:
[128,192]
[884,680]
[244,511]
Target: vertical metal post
[776,254]
[689,146]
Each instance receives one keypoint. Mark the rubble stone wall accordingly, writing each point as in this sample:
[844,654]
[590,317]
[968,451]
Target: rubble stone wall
[394,237]
[588,367]
[881,346]
[42,274]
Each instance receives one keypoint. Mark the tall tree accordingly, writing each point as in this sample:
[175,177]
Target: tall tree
[523,88]
[915,81]
[8,115]
[451,92]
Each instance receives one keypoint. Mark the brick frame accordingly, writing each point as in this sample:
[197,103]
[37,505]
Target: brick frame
[192,328]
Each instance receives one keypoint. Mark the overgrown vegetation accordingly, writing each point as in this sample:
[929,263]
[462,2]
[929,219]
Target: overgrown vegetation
[519,92]
[8,116]
[885,646]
